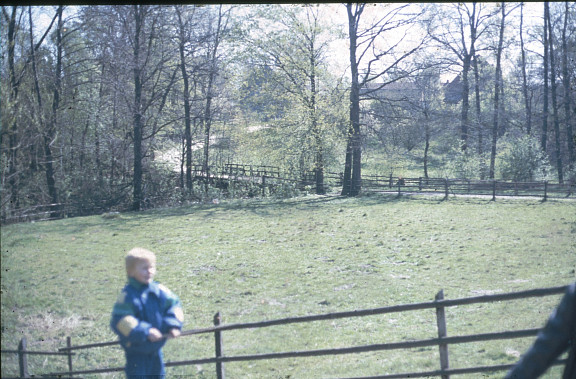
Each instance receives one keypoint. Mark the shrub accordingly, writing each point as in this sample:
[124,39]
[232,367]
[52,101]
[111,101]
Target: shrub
[466,164]
[521,159]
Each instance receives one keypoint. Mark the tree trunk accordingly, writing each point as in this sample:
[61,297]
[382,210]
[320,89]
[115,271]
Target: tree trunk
[13,129]
[347,177]
[187,117]
[478,108]
[318,165]
[544,140]
[467,60]
[48,127]
[207,121]
[527,100]
[97,152]
[559,167]
[139,18]
[356,150]
[465,103]
[317,133]
[352,172]
[51,135]
[427,142]
[209,92]
[497,86]
[567,93]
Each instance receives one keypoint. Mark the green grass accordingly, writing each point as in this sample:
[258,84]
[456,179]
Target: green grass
[266,259]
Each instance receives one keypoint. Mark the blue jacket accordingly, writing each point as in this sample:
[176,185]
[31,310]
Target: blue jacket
[557,336]
[141,307]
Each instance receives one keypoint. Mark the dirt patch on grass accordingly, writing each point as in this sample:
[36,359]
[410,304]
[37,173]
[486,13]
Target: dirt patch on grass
[47,331]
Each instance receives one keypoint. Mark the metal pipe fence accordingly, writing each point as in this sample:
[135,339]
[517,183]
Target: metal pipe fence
[443,341]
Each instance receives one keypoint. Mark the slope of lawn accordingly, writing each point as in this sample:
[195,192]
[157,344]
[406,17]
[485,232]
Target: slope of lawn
[256,260]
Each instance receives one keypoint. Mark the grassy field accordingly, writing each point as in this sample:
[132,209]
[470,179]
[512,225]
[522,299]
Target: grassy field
[266,259]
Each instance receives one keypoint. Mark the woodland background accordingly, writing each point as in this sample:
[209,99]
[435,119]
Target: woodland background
[109,106]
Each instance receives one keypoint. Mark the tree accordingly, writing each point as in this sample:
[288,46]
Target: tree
[139,14]
[49,123]
[383,64]
[188,44]
[428,108]
[527,99]
[212,61]
[458,28]
[479,123]
[559,166]
[105,176]
[152,80]
[544,140]
[12,99]
[14,114]
[353,166]
[566,75]
[92,101]
[406,114]
[498,83]
[299,72]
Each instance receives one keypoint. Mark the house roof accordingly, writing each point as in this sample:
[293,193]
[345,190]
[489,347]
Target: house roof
[453,91]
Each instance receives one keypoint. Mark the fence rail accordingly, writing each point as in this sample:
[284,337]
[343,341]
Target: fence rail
[266,179]
[442,341]
[494,188]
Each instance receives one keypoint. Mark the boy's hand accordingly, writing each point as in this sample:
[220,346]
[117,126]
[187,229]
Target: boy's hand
[154,335]
[174,333]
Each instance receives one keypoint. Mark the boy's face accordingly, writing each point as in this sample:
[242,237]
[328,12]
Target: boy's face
[143,271]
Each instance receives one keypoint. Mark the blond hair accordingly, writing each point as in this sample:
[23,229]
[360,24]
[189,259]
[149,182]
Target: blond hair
[138,254]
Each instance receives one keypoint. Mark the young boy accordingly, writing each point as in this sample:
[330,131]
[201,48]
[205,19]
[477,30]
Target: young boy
[144,316]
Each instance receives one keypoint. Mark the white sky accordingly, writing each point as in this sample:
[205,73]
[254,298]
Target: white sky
[334,14]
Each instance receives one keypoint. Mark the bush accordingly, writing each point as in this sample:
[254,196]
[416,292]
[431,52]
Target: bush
[521,159]
[466,164]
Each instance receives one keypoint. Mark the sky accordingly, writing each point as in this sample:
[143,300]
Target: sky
[332,13]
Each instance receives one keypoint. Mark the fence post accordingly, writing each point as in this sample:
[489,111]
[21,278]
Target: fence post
[22,358]
[218,343]
[545,190]
[69,345]
[441,322]
[445,188]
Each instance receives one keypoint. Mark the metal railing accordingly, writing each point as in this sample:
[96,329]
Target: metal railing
[442,341]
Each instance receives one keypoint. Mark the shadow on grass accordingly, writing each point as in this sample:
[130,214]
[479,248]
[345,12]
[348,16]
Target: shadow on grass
[264,207]
[269,206]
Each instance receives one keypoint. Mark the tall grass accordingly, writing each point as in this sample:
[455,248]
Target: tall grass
[266,259]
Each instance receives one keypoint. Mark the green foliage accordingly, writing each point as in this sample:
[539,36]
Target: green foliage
[271,60]
[286,190]
[521,159]
[466,164]
[289,93]
[261,98]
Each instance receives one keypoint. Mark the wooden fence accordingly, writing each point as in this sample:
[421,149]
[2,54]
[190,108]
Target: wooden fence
[52,212]
[442,341]
[447,187]
[232,170]
[266,179]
